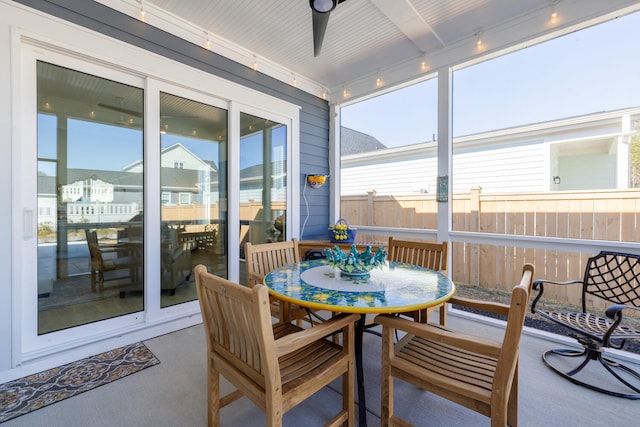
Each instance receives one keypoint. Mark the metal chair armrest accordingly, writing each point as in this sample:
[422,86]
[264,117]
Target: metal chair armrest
[538,285]
[615,311]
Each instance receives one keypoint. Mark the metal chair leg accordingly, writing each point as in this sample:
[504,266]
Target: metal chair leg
[594,353]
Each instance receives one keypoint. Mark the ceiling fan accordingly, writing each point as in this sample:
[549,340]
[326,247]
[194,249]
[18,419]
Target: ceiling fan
[320,12]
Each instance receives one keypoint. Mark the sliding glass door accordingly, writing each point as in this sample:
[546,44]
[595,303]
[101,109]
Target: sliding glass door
[193,185]
[90,198]
[263,182]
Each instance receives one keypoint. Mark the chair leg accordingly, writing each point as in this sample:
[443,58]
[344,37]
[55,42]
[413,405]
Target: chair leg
[442,311]
[512,406]
[213,416]
[593,352]
[93,280]
[348,387]
[273,412]
[387,380]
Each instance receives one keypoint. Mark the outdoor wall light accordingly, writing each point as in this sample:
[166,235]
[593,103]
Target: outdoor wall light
[323,6]
[556,179]
[316,181]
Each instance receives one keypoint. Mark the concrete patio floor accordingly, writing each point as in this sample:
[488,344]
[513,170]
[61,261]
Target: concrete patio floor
[173,393]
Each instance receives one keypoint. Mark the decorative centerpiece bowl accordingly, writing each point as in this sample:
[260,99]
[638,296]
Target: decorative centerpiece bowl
[354,263]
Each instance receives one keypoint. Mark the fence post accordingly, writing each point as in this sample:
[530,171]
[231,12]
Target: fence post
[474,225]
[370,215]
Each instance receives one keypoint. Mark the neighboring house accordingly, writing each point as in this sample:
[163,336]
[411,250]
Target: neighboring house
[176,156]
[578,153]
[92,196]
[252,182]
[354,142]
[113,196]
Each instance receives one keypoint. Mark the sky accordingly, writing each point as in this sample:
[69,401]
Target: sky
[593,70]
[105,147]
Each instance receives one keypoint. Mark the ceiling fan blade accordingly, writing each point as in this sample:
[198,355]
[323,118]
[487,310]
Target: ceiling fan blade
[320,21]
[121,110]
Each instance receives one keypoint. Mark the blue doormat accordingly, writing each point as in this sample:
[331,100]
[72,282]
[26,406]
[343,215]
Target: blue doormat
[36,391]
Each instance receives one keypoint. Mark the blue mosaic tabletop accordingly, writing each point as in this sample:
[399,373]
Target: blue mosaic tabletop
[392,288]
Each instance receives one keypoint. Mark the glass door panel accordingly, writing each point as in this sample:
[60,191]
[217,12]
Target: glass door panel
[263,183]
[90,195]
[193,182]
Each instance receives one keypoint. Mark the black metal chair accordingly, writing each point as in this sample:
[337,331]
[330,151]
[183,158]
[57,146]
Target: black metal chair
[615,278]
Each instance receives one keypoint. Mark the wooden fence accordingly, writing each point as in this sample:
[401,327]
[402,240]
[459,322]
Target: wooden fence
[592,215]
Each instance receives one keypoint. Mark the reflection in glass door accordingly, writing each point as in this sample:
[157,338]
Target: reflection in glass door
[263,182]
[193,139]
[90,194]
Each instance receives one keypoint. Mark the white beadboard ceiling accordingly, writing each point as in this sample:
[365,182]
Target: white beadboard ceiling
[365,39]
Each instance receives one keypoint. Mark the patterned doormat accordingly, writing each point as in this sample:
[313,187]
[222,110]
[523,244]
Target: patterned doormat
[36,391]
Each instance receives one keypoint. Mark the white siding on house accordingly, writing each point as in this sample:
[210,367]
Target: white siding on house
[500,169]
[506,168]
[585,152]
[398,177]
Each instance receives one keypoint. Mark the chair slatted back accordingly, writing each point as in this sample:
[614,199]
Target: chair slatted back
[91,236]
[422,253]
[97,262]
[614,277]
[266,257]
[237,322]
[425,254]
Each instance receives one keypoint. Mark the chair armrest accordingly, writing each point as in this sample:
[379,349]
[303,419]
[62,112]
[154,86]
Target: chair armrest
[615,311]
[258,279]
[538,285]
[296,341]
[441,335]
[491,307]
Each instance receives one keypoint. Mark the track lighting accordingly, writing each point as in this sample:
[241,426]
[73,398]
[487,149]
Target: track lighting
[142,14]
[379,82]
[554,14]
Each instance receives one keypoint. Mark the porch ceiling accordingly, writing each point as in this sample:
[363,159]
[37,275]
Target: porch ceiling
[367,39]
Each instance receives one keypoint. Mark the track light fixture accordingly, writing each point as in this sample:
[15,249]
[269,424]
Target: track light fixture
[323,6]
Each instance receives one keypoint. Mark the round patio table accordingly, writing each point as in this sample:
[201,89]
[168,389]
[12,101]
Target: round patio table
[394,287]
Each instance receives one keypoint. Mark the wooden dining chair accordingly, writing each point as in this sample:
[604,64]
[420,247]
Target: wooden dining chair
[472,371]
[425,254]
[275,366]
[108,262]
[263,258]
